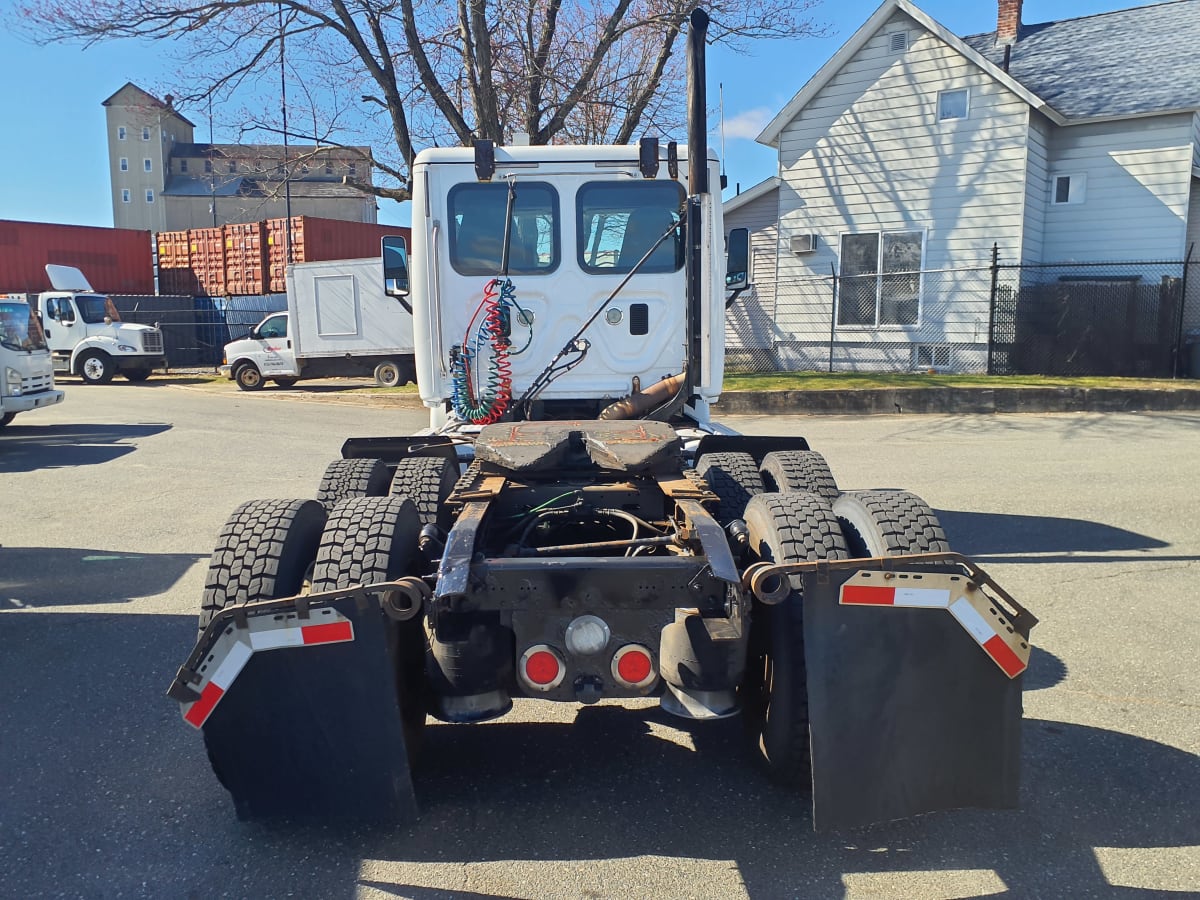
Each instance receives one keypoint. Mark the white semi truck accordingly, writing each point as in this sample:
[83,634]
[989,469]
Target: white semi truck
[85,334]
[574,527]
[340,321]
[26,372]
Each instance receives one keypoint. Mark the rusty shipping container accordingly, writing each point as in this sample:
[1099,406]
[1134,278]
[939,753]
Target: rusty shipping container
[245,258]
[314,240]
[206,255]
[175,275]
[114,260]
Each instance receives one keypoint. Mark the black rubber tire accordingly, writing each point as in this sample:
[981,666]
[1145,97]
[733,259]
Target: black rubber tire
[888,523]
[389,373]
[136,375]
[285,382]
[734,478]
[248,377]
[6,418]
[798,470]
[95,367]
[373,539]
[427,481]
[791,527]
[345,478]
[265,551]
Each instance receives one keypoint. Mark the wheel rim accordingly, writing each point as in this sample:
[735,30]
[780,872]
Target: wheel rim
[250,377]
[93,368]
[388,375]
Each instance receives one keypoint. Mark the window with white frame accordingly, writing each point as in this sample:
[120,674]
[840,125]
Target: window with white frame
[183,165]
[123,165]
[149,195]
[145,132]
[953,104]
[125,195]
[880,281]
[147,165]
[120,132]
[1068,189]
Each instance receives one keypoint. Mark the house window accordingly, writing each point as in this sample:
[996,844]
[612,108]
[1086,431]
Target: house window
[953,104]
[898,41]
[207,166]
[125,195]
[183,165]
[329,168]
[1067,189]
[145,132]
[233,167]
[304,168]
[124,164]
[121,133]
[880,280]
[353,170]
[149,195]
[147,165]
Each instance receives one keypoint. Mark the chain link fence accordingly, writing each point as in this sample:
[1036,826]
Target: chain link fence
[196,329]
[1124,319]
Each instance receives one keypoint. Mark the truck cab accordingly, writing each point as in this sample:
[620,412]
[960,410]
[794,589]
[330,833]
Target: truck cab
[26,373]
[86,336]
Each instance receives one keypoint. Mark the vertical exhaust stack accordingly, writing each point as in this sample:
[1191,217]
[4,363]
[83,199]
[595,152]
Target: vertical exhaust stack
[697,186]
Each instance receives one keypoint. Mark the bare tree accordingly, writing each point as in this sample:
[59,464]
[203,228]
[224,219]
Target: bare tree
[435,72]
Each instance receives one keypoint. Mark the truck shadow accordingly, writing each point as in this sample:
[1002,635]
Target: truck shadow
[1001,537]
[24,448]
[36,577]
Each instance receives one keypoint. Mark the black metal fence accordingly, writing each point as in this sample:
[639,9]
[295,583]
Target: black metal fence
[1125,319]
[196,329]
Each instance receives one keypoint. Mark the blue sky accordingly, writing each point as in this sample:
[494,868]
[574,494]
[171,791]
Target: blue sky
[55,109]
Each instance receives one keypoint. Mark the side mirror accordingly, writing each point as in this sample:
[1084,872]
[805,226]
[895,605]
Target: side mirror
[395,267]
[254,333]
[737,260]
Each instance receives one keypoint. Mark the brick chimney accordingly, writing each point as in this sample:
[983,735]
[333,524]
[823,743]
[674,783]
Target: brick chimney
[1008,22]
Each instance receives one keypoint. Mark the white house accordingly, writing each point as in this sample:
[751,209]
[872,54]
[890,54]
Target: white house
[912,152]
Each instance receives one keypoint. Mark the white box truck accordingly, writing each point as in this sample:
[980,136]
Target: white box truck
[339,322]
[26,372]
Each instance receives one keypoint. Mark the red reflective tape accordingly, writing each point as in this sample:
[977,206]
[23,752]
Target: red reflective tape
[868,595]
[1004,656]
[202,708]
[328,633]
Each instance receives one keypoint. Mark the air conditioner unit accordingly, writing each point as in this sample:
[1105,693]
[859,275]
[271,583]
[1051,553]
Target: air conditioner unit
[804,243]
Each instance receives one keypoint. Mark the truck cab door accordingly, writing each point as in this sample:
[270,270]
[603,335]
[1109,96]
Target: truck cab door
[275,355]
[60,324]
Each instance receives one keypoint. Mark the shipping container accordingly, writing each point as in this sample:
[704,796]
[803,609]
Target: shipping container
[317,240]
[206,254]
[114,260]
[245,258]
[175,275]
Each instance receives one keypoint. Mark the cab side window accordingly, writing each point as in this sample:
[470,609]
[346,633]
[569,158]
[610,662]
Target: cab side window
[275,327]
[59,309]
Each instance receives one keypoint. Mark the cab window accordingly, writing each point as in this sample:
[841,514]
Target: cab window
[477,228]
[618,224]
[274,327]
[93,308]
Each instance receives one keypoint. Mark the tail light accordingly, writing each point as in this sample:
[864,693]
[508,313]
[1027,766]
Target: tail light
[542,668]
[633,667]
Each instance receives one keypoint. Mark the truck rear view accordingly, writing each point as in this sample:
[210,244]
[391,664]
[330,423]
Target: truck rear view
[573,526]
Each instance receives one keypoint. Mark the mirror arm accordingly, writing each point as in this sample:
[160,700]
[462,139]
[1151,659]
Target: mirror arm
[737,292]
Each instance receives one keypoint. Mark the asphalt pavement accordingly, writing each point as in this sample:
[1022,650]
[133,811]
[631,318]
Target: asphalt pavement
[114,498]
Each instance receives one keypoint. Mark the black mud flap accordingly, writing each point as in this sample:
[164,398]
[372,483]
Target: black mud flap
[908,714]
[315,730]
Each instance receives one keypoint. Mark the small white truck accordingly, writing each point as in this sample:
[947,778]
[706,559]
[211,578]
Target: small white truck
[339,322]
[85,334]
[26,373]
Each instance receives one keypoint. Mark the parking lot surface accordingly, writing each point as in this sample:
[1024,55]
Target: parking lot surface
[113,500]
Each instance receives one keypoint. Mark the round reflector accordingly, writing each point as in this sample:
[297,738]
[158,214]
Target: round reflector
[633,666]
[542,667]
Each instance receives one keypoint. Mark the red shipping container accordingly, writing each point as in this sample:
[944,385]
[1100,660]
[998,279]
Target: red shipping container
[316,239]
[114,260]
[245,258]
[206,254]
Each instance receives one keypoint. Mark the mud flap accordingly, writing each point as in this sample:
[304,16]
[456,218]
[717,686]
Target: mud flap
[315,731]
[908,714]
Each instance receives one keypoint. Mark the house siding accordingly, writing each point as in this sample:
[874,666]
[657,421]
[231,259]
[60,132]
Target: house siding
[1037,178]
[1137,190]
[867,154]
[750,323]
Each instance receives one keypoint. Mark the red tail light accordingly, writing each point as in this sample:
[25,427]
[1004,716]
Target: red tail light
[633,667]
[542,668]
